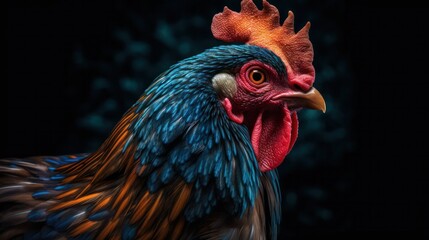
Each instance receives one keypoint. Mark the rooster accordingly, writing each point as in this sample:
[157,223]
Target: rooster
[193,158]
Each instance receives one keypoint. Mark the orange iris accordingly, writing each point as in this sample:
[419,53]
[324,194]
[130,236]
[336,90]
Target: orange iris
[256,76]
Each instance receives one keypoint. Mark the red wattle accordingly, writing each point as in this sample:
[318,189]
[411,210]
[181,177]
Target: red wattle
[236,117]
[273,136]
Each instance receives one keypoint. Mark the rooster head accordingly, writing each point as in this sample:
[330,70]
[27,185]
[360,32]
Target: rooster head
[262,97]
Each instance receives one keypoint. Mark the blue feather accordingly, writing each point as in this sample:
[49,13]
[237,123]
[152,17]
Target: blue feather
[157,161]
[190,174]
[57,177]
[182,131]
[52,161]
[37,215]
[43,195]
[167,173]
[128,142]
[153,182]
[54,218]
[99,215]
[64,219]
[129,232]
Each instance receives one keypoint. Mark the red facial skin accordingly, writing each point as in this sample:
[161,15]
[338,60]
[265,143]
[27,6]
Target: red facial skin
[272,124]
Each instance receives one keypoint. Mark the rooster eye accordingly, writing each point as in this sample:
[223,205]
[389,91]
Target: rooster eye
[257,76]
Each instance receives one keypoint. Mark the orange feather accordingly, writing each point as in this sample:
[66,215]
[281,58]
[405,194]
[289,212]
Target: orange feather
[67,194]
[75,202]
[181,201]
[84,227]
[101,204]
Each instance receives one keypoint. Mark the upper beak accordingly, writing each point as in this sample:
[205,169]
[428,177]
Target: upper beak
[311,99]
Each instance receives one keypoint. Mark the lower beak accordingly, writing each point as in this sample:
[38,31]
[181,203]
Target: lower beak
[311,99]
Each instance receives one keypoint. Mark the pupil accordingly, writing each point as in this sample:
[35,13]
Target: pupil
[257,76]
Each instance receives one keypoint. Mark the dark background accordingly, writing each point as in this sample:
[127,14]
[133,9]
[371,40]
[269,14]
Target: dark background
[360,170]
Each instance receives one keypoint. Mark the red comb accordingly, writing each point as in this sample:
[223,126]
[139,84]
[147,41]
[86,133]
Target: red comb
[262,28]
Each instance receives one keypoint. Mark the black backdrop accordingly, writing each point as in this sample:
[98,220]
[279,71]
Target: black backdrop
[74,67]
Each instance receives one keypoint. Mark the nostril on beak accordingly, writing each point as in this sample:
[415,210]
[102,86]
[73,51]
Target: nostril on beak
[301,83]
[300,86]
[297,87]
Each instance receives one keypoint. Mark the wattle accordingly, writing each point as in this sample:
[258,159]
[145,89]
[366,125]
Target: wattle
[273,135]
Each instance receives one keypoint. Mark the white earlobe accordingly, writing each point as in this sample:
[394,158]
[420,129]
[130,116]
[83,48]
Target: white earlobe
[225,85]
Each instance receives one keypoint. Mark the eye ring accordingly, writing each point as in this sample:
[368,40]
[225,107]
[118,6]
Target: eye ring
[256,76]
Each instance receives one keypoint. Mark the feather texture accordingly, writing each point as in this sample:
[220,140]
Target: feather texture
[174,167]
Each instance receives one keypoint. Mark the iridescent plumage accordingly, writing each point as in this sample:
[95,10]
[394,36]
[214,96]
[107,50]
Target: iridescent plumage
[193,158]
[175,165]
